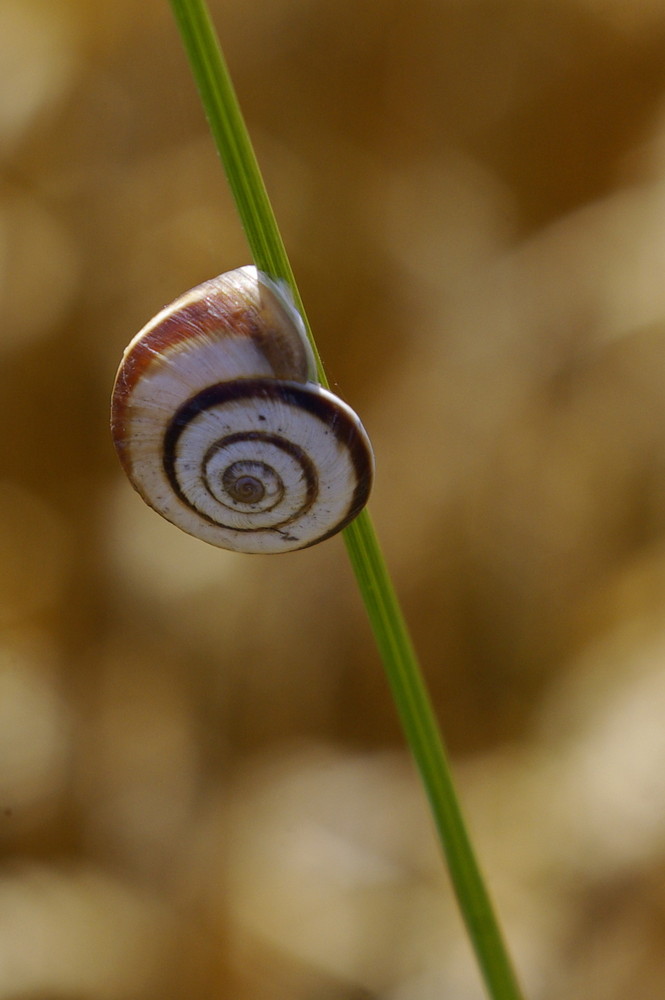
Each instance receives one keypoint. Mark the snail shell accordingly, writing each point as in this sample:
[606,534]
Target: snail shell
[219,423]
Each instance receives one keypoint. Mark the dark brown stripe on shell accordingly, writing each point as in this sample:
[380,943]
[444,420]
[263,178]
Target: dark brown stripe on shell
[219,395]
[306,465]
[321,406]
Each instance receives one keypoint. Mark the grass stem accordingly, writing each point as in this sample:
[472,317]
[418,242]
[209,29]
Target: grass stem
[388,625]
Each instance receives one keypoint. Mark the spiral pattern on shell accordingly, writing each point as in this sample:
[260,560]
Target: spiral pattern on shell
[221,428]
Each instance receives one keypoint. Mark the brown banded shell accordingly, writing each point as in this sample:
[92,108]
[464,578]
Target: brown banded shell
[221,428]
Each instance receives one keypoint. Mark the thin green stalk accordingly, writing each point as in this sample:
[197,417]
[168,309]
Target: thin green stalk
[234,146]
[390,631]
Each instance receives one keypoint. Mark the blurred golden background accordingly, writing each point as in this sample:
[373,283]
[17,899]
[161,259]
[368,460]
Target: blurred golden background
[204,791]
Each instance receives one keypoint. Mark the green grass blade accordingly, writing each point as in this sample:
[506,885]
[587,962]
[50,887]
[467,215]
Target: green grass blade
[390,631]
[235,149]
[422,733]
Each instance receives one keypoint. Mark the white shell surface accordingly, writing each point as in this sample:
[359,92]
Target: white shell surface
[219,445]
